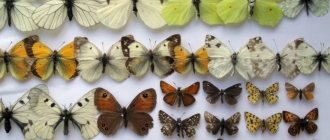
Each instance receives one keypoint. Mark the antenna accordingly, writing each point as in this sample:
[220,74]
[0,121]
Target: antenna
[11,42]
[153,45]
[60,45]
[103,49]
[191,50]
[231,46]
[274,41]
[322,46]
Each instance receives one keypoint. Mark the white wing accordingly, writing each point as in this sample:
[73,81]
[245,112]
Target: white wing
[89,65]
[3,13]
[2,108]
[220,64]
[149,12]
[3,68]
[263,59]
[288,61]
[291,8]
[116,67]
[51,14]
[244,64]
[319,7]
[84,115]
[84,11]
[306,60]
[21,15]
[116,14]
[326,63]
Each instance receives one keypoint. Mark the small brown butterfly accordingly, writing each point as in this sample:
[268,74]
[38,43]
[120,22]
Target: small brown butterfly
[228,94]
[113,115]
[214,125]
[301,123]
[292,91]
[173,95]
[182,126]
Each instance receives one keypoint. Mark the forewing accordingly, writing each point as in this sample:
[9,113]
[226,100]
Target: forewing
[189,124]
[291,8]
[319,7]
[202,61]
[272,122]
[309,91]
[85,12]
[289,117]
[231,122]
[213,93]
[231,93]
[312,115]
[150,13]
[253,123]
[306,61]
[105,101]
[254,93]
[267,13]
[178,12]
[291,90]
[182,59]
[168,123]
[326,63]
[213,123]
[22,16]
[271,93]
[145,101]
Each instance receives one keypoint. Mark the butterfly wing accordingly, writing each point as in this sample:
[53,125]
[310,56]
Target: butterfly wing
[233,11]
[90,67]
[308,91]
[208,10]
[187,98]
[231,93]
[150,13]
[306,61]
[67,64]
[326,63]
[2,108]
[170,93]
[312,115]
[85,11]
[319,7]
[202,61]
[182,59]
[188,125]
[271,93]
[253,123]
[231,123]
[291,90]
[213,93]
[289,117]
[178,12]
[168,122]
[291,8]
[244,64]
[254,93]
[115,14]
[3,68]
[288,60]
[3,11]
[21,15]
[267,12]
[272,122]
[213,123]
[220,62]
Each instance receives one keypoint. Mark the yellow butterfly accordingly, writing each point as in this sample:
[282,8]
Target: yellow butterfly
[253,123]
[269,94]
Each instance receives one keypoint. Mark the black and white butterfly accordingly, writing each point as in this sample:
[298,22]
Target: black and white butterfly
[228,94]
[82,114]
[215,125]
[183,127]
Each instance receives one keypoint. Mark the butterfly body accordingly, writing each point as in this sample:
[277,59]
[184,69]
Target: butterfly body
[104,60]
[278,61]
[69,4]
[9,6]
[196,4]
[7,115]
[300,124]
[320,58]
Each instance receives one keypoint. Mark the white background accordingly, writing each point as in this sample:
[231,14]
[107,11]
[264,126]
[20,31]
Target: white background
[314,30]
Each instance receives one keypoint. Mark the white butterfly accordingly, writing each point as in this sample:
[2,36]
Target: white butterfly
[82,114]
[116,14]
[159,59]
[21,114]
[52,14]
[264,61]
[92,63]
[291,8]
[19,12]
[223,61]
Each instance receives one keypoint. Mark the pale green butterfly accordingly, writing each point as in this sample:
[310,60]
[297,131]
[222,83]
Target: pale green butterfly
[291,8]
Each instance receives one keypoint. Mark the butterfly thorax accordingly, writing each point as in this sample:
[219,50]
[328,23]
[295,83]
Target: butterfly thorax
[262,95]
[7,115]
[222,126]
[124,116]
[135,10]
[251,6]
[105,60]
[278,61]
[66,116]
[302,124]
[179,94]
[151,59]
[55,57]
[221,93]
[196,4]
[300,92]
[263,125]
[192,59]
[319,58]
[69,4]
[6,58]
[178,126]
[9,5]
[234,58]
[306,3]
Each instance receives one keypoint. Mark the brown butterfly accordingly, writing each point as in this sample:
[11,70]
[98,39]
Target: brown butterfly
[113,115]
[228,94]
[301,123]
[173,95]
[182,126]
[214,125]
[292,91]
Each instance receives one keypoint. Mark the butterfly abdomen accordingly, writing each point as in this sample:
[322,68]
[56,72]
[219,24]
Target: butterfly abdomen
[124,114]
[7,115]
[196,4]
[263,126]
[69,4]
[105,61]
[9,5]
[179,129]
[6,58]
[251,6]
[193,58]
[67,116]
[135,10]
[222,126]
[278,62]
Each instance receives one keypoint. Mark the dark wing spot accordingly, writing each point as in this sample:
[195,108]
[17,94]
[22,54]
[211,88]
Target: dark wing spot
[145,95]
[104,95]
[21,102]
[86,99]
[79,104]
[46,100]
[52,105]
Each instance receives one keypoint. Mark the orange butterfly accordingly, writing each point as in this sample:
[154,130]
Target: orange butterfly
[47,61]
[173,95]
[113,115]
[292,91]
[307,123]
[15,61]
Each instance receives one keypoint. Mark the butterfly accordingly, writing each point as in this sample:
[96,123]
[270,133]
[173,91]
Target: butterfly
[214,125]
[158,59]
[115,15]
[180,12]
[270,94]
[11,11]
[16,60]
[173,95]
[82,115]
[253,123]
[47,62]
[227,94]
[222,61]
[92,63]
[264,61]
[183,127]
[265,12]
[301,123]
[291,8]
[292,91]
[21,114]
[84,11]
[184,61]
[113,115]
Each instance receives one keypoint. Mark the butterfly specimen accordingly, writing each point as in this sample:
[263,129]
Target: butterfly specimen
[270,94]
[82,115]
[93,63]
[253,123]
[47,62]
[264,61]
[173,95]
[52,13]
[265,12]
[180,12]
[223,62]
[159,59]
[293,92]
[16,60]
[214,125]
[228,94]
[21,114]
[183,127]
[113,115]
[301,123]
[291,8]
[184,61]
[116,13]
